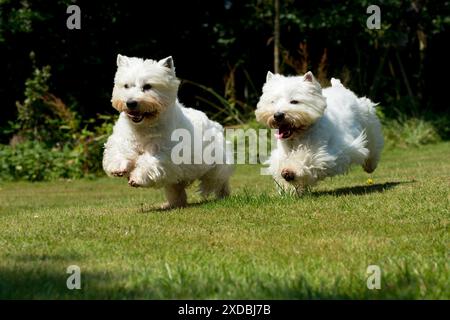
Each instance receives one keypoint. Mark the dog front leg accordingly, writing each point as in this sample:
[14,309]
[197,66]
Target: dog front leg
[116,161]
[148,172]
[304,167]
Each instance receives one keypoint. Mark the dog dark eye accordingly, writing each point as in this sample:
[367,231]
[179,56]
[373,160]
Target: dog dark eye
[146,87]
[126,86]
[294,102]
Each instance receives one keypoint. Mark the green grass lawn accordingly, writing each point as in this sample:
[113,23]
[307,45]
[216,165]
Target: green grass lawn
[255,244]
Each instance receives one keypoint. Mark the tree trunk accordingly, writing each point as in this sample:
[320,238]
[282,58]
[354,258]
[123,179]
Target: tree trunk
[276,33]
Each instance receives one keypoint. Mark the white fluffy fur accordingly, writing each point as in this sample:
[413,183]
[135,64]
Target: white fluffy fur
[332,129]
[142,151]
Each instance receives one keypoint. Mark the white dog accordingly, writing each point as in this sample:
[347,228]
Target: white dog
[145,94]
[321,133]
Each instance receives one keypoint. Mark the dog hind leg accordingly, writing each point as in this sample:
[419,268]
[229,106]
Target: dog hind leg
[216,180]
[375,140]
[176,196]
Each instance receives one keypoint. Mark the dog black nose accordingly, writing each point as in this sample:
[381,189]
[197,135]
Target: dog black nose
[132,104]
[278,116]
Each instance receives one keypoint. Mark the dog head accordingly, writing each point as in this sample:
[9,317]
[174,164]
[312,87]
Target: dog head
[144,89]
[290,104]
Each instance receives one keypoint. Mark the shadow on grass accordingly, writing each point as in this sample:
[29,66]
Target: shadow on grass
[47,280]
[360,190]
[45,283]
[40,283]
[38,258]
[188,205]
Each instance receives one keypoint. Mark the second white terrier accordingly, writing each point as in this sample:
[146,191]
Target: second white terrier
[145,94]
[321,133]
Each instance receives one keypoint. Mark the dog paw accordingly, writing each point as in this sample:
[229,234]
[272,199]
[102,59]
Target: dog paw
[122,170]
[288,175]
[169,206]
[133,183]
[137,182]
[138,178]
[166,206]
[119,173]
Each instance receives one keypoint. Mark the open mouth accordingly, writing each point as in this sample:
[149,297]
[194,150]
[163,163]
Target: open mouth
[284,132]
[137,116]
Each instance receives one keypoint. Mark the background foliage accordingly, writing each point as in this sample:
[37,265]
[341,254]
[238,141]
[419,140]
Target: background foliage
[57,82]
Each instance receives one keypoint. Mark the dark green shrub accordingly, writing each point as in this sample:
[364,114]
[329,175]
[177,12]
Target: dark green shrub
[409,132]
[42,116]
[33,161]
[49,141]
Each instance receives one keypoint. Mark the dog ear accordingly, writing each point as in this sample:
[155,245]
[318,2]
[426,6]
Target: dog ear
[308,77]
[269,76]
[122,60]
[167,62]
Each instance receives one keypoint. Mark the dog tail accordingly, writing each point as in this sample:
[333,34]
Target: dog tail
[336,83]
[368,104]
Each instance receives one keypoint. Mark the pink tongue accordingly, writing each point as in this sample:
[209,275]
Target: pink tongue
[278,135]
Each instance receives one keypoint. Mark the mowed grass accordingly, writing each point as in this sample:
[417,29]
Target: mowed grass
[254,245]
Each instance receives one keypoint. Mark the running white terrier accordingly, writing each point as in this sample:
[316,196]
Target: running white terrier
[321,133]
[145,94]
